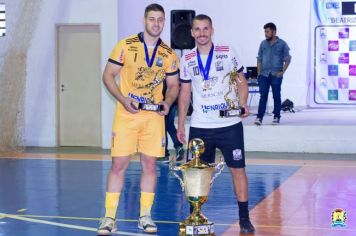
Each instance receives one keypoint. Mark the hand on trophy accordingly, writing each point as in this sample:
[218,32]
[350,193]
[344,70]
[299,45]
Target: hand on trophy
[165,109]
[129,104]
[246,112]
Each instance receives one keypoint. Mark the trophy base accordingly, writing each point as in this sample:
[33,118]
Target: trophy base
[196,230]
[150,107]
[232,112]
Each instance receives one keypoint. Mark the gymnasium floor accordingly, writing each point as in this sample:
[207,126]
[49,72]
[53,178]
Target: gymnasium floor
[60,192]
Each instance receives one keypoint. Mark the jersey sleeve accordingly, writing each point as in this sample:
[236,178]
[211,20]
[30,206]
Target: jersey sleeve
[117,55]
[184,76]
[235,61]
[172,67]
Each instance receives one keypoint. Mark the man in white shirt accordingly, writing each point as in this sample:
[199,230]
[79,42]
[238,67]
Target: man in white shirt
[211,73]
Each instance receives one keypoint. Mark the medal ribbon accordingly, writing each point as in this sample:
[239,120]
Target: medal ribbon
[205,70]
[149,60]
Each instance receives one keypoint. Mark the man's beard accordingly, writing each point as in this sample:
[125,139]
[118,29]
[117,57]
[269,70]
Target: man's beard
[153,33]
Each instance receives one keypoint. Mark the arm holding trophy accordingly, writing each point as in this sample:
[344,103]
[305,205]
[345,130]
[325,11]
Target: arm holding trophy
[171,93]
[242,91]
[110,72]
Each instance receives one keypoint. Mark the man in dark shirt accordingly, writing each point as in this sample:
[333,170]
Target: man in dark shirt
[272,61]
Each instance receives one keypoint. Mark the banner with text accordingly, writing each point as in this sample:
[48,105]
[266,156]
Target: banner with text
[333,33]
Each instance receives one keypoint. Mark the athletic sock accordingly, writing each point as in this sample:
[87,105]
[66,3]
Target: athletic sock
[243,210]
[111,204]
[146,202]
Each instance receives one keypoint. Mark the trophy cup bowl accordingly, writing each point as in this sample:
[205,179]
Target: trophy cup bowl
[196,183]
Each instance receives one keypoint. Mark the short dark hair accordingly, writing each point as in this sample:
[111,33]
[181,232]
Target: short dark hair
[203,17]
[153,7]
[270,25]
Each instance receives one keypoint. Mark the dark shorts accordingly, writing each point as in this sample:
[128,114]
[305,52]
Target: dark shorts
[230,140]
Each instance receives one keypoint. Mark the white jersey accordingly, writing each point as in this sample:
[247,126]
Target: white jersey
[208,95]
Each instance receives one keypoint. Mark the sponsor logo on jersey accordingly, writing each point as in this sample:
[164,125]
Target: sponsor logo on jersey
[162,54]
[219,66]
[159,62]
[211,95]
[214,107]
[174,65]
[139,98]
[121,56]
[221,56]
[185,74]
[192,63]
[133,49]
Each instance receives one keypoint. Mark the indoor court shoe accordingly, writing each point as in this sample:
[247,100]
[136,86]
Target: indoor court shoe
[258,121]
[179,153]
[275,121]
[246,227]
[146,224]
[107,226]
[163,159]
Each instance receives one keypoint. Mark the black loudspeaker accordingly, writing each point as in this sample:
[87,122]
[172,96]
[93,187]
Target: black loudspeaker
[181,24]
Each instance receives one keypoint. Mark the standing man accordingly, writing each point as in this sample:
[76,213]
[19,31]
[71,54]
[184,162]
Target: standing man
[203,71]
[272,61]
[172,131]
[142,62]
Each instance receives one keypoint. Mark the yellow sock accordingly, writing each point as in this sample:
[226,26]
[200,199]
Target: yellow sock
[146,203]
[111,203]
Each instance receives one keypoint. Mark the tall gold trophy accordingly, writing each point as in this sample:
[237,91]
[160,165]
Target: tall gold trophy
[233,109]
[196,183]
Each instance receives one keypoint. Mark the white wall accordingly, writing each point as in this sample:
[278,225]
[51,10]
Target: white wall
[41,80]
[239,23]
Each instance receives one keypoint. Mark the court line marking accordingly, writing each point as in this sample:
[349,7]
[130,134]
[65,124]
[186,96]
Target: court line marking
[251,162]
[28,218]
[299,227]
[18,217]
[3,215]
[87,218]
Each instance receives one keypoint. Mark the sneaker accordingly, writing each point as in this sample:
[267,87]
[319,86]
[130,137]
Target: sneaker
[179,153]
[258,121]
[146,224]
[246,227]
[163,159]
[107,226]
[275,121]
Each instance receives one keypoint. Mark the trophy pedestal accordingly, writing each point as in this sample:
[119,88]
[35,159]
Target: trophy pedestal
[150,107]
[232,112]
[195,230]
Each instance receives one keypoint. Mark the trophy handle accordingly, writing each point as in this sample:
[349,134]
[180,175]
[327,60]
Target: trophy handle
[174,170]
[218,169]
